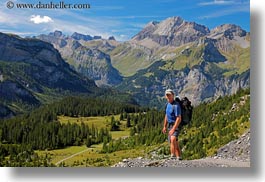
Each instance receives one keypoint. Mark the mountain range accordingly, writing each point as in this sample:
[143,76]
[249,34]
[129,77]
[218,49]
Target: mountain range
[88,61]
[195,61]
[187,57]
[32,72]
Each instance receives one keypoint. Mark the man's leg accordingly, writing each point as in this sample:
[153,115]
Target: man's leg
[177,149]
[173,145]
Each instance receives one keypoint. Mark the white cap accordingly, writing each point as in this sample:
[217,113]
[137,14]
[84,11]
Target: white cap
[169,91]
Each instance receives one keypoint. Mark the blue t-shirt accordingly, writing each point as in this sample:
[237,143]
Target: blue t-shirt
[172,111]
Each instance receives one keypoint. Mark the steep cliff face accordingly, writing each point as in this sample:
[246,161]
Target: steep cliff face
[95,64]
[16,49]
[189,58]
[196,62]
[202,87]
[89,61]
[210,51]
[198,83]
[31,70]
[51,69]
[187,43]
[229,35]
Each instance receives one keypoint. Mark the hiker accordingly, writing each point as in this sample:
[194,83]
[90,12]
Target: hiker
[171,123]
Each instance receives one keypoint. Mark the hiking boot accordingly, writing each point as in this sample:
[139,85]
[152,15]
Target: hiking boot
[172,157]
[178,158]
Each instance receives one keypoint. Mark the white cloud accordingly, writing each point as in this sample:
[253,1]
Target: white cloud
[37,19]
[217,2]
[32,23]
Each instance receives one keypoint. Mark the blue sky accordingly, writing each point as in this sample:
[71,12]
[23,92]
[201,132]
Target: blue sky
[120,18]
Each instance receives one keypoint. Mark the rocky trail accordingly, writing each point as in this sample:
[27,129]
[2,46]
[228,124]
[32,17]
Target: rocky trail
[234,154]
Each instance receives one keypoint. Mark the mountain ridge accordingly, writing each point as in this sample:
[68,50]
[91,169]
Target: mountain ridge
[173,31]
[33,71]
[89,61]
[214,58]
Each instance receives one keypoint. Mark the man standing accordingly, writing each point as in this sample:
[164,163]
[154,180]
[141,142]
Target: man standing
[171,122]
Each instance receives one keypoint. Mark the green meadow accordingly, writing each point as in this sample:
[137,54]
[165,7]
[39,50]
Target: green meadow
[83,156]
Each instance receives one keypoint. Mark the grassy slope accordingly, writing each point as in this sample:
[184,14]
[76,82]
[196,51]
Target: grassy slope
[93,157]
[129,60]
[93,153]
[237,62]
[179,61]
[99,122]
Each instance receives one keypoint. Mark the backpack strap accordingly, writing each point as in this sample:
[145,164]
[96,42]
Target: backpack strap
[173,108]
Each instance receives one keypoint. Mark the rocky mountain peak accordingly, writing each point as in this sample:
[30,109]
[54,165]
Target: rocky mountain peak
[176,25]
[173,31]
[167,26]
[228,30]
[56,33]
[75,45]
[151,24]
[89,61]
[78,36]
[111,38]
[97,37]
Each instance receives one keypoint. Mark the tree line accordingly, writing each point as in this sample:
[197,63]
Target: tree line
[202,137]
[41,130]
[12,155]
[213,125]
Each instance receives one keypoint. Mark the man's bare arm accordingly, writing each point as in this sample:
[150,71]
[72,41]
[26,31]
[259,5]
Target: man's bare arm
[165,121]
[178,121]
[165,125]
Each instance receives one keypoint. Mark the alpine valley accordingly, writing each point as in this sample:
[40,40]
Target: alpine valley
[81,100]
[33,73]
[187,57]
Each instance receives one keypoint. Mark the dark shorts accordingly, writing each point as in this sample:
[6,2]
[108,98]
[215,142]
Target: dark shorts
[176,133]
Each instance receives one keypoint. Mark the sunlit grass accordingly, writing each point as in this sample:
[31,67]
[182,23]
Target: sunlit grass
[91,156]
[98,122]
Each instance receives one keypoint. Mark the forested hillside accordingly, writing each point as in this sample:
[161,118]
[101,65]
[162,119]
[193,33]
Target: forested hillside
[213,125]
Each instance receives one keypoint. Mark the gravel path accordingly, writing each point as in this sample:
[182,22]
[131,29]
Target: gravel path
[234,154]
[69,157]
[207,162]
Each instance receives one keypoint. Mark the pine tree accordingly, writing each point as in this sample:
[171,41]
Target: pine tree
[128,123]
[121,117]
[88,141]
[113,125]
